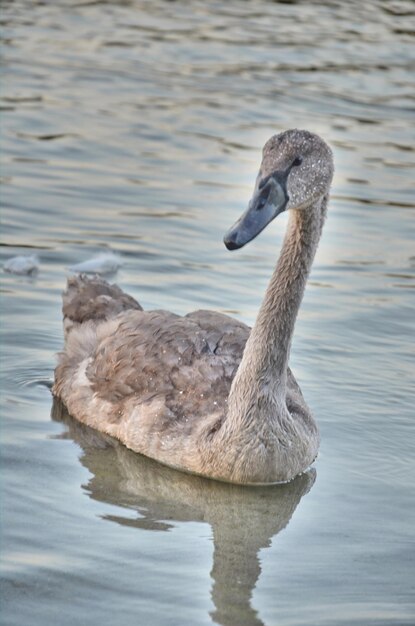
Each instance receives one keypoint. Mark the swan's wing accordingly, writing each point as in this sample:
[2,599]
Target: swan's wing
[93,299]
[186,363]
[156,381]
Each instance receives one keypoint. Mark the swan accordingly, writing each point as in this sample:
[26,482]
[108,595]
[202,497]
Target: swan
[202,393]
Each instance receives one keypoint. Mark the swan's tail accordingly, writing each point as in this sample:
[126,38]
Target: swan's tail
[93,299]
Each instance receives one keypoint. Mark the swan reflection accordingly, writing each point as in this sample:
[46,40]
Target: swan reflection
[243,519]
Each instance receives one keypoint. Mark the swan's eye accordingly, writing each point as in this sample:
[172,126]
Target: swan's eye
[297,162]
[261,203]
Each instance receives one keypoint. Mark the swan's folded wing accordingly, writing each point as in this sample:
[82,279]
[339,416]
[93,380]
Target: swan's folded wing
[185,364]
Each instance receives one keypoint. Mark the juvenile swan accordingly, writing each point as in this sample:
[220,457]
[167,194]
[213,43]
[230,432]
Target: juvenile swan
[202,393]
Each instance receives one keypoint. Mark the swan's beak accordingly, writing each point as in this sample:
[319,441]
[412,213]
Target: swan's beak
[268,201]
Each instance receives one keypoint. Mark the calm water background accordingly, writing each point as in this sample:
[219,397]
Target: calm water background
[137,127]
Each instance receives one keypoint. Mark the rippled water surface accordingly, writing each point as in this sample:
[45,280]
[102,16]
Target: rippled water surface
[137,127]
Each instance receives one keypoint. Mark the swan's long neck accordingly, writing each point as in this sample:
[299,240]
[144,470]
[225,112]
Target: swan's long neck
[262,374]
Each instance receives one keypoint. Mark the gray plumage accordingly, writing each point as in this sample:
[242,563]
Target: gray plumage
[201,392]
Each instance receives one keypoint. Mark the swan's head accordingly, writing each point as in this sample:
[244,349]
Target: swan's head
[295,173]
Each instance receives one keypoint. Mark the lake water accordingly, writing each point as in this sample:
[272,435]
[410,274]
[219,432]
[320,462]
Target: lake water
[138,127]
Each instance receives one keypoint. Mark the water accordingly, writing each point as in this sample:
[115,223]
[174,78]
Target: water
[137,127]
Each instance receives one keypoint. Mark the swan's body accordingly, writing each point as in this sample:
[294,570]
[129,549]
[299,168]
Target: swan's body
[202,393]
